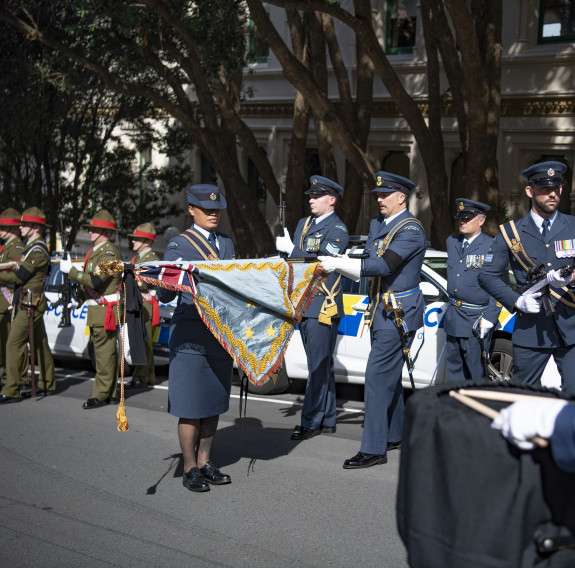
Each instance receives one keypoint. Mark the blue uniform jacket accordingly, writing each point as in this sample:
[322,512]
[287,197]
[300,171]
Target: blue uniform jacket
[409,246]
[331,236]
[180,247]
[532,330]
[462,284]
[563,439]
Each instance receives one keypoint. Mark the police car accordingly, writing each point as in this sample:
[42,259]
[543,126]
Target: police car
[73,342]
[428,348]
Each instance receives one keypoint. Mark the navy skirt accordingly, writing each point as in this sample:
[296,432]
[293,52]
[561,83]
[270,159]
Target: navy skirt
[200,376]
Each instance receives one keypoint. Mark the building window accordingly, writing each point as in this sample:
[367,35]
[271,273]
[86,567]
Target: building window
[258,48]
[256,183]
[556,21]
[401,21]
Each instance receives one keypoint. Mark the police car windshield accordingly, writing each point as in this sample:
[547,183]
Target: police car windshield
[438,265]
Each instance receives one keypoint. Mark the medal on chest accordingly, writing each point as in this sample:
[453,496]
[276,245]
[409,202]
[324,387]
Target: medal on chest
[565,249]
[380,245]
[313,243]
[474,261]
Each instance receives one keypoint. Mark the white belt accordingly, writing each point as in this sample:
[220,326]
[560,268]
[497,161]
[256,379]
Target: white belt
[108,298]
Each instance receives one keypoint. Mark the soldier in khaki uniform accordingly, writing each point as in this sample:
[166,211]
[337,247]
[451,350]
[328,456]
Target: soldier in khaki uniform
[28,278]
[100,292]
[10,251]
[142,239]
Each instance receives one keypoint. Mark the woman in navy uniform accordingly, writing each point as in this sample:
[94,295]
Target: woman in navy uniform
[321,233]
[394,252]
[200,374]
[469,305]
[544,236]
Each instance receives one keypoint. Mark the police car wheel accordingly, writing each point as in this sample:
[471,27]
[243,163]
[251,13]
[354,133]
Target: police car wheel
[501,360]
[281,385]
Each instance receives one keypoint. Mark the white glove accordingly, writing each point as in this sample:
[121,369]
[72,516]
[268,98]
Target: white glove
[73,304]
[66,264]
[484,327]
[348,267]
[284,244]
[529,303]
[521,421]
[555,279]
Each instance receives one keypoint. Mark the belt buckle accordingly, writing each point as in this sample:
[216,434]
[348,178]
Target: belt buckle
[458,303]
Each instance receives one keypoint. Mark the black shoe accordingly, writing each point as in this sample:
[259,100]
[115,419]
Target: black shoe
[214,476]
[94,403]
[112,400]
[6,399]
[303,433]
[42,392]
[364,460]
[328,429]
[25,391]
[136,383]
[195,481]
[393,445]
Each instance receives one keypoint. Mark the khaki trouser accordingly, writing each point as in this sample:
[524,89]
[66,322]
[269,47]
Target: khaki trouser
[17,354]
[4,331]
[106,380]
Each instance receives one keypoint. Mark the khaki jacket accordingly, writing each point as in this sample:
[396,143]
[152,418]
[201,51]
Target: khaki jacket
[97,285]
[12,250]
[33,265]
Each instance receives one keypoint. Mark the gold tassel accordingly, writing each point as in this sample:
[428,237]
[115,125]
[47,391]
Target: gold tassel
[121,417]
[326,315]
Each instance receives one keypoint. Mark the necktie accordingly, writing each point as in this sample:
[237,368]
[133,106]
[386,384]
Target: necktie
[213,244]
[545,227]
[464,247]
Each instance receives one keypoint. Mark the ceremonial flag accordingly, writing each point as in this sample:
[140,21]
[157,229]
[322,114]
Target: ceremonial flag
[251,306]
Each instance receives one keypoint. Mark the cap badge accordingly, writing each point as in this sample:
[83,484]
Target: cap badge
[550,172]
[461,206]
[379,182]
[213,196]
[314,181]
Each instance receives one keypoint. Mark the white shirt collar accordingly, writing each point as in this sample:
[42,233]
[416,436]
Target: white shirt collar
[539,220]
[389,219]
[470,240]
[322,217]
[204,232]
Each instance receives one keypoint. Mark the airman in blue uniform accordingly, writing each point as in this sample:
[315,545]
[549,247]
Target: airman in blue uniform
[543,237]
[471,311]
[322,233]
[394,254]
[200,374]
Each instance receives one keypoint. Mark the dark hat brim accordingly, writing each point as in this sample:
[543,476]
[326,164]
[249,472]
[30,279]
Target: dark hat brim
[546,181]
[90,226]
[205,202]
[469,213]
[321,191]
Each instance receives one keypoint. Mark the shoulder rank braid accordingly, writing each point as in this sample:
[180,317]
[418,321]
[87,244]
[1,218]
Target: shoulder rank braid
[197,240]
[393,260]
[513,241]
